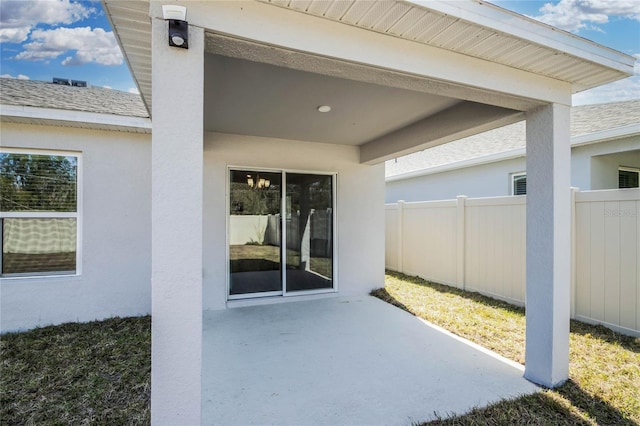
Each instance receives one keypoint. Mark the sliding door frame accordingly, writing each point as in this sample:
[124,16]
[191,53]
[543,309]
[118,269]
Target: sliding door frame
[283,236]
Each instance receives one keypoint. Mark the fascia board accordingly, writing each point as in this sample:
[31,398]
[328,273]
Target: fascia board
[90,118]
[606,135]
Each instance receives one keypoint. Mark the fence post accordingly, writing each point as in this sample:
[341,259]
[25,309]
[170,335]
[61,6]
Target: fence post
[574,284]
[460,240]
[400,233]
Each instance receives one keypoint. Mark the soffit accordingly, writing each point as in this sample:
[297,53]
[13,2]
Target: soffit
[132,27]
[483,31]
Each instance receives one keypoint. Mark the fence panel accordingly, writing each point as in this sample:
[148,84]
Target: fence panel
[429,237]
[495,247]
[480,245]
[391,240]
[607,268]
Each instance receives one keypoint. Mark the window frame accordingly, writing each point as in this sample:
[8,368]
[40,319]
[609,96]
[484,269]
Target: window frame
[77,215]
[513,177]
[635,170]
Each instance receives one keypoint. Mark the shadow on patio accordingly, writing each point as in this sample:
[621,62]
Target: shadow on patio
[342,361]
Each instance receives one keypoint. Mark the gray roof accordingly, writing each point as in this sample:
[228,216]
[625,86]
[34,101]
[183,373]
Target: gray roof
[585,119]
[43,94]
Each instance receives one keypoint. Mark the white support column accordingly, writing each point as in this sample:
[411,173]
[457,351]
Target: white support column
[548,245]
[176,228]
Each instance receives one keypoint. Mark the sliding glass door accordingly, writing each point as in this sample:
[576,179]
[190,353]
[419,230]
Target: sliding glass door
[309,216]
[280,233]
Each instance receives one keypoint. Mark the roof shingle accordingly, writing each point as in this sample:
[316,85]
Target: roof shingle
[41,94]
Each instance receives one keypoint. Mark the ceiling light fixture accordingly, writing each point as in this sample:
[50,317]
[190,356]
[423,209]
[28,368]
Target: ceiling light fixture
[258,182]
[324,108]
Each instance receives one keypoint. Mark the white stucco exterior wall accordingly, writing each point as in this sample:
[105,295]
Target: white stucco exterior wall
[116,232]
[485,180]
[603,164]
[359,206]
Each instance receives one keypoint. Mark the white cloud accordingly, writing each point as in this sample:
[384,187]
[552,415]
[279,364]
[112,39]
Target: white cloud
[134,91]
[621,90]
[574,15]
[14,35]
[90,45]
[107,87]
[18,18]
[19,76]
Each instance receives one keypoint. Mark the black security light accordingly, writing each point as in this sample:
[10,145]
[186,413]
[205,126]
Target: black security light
[178,33]
[178,26]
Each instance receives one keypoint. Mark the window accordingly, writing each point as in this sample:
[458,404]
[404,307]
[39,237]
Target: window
[628,177]
[519,183]
[39,213]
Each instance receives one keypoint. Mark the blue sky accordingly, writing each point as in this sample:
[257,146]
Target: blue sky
[73,39]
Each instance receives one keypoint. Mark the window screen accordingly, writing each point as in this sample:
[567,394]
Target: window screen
[38,213]
[519,184]
[628,177]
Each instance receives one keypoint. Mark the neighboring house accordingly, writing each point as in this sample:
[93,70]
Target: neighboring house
[269,137]
[605,154]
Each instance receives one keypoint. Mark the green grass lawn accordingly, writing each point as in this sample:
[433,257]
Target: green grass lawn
[604,370]
[99,372]
[76,374]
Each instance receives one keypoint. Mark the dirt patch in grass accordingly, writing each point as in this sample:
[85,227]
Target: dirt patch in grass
[91,373]
[604,368]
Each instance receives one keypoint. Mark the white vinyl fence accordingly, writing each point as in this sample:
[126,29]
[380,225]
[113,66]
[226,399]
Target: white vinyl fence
[479,245]
[265,229]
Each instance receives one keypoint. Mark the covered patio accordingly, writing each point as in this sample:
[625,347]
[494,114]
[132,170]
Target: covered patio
[342,360]
[331,90]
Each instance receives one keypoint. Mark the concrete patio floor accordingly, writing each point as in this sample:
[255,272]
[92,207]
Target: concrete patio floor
[341,361]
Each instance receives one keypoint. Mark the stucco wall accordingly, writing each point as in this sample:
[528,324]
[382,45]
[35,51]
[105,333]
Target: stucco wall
[359,206]
[486,180]
[116,241]
[600,162]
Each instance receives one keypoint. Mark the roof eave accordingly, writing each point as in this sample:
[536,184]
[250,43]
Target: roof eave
[526,28]
[68,118]
[145,92]
[603,65]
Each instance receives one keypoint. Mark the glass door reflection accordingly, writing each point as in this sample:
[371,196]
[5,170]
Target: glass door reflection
[309,231]
[255,200]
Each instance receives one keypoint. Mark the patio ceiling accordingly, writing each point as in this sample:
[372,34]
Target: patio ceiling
[253,98]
